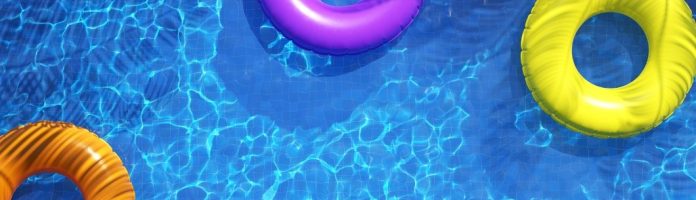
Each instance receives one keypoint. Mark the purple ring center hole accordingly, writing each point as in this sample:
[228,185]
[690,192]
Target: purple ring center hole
[340,2]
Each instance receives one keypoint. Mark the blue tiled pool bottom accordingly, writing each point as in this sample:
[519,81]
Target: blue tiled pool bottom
[205,100]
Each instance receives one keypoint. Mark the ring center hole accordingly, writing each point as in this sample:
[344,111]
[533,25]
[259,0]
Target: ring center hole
[610,50]
[47,186]
[340,2]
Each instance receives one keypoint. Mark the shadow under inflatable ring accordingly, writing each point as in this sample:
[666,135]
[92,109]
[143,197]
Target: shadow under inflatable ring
[66,149]
[639,106]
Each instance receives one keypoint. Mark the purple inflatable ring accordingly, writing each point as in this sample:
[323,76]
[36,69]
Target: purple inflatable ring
[339,30]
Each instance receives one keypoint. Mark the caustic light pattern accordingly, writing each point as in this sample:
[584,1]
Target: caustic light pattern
[206,100]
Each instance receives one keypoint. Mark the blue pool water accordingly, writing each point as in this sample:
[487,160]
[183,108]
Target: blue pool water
[205,100]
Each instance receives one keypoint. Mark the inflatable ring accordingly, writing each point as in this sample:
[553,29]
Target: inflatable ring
[66,149]
[639,106]
[337,30]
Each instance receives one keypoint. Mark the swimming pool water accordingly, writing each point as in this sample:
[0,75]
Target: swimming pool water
[206,100]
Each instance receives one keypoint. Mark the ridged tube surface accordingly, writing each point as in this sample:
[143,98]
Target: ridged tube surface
[572,100]
[66,149]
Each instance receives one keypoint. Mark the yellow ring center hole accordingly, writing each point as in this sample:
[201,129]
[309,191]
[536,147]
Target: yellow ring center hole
[610,50]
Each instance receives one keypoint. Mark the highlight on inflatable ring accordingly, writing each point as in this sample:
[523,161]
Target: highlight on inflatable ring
[339,30]
[66,149]
[639,106]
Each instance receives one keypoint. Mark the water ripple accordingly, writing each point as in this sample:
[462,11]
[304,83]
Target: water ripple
[199,106]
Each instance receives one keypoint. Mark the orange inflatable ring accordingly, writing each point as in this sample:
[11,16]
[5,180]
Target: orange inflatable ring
[66,149]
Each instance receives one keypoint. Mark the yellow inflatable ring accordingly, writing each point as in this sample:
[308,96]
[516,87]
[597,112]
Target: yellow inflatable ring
[63,148]
[639,106]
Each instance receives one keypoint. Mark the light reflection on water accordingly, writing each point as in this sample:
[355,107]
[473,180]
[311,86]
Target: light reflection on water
[206,99]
